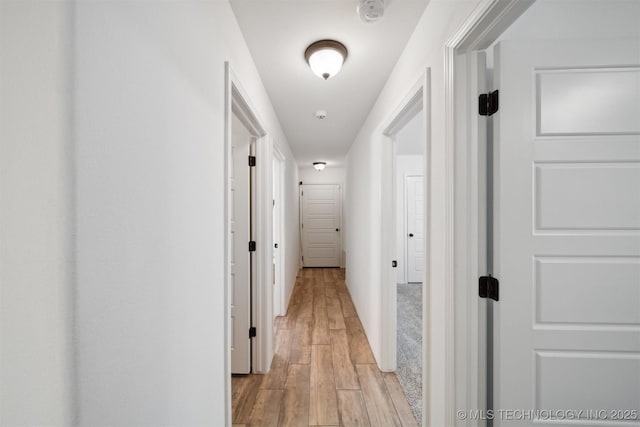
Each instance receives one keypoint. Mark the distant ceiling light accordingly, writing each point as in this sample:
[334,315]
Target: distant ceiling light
[371,10]
[321,114]
[319,165]
[325,57]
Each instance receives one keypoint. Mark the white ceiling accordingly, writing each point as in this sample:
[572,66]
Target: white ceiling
[278,32]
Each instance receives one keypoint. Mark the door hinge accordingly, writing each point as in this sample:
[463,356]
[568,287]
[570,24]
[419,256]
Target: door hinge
[252,332]
[252,160]
[394,264]
[252,246]
[488,103]
[489,287]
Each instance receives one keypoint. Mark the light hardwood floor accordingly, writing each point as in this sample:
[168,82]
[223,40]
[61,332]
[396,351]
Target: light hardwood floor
[323,372]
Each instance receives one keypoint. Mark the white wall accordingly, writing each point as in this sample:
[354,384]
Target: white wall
[329,175]
[425,49]
[150,164]
[406,165]
[36,193]
[409,139]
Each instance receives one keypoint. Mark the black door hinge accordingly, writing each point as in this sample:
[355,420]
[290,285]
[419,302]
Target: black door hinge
[252,246]
[252,332]
[488,103]
[394,264]
[489,287]
[252,160]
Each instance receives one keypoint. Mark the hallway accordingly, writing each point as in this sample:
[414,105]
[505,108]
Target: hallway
[323,371]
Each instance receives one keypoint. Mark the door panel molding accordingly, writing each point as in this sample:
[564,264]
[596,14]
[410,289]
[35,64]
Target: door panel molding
[326,249]
[566,216]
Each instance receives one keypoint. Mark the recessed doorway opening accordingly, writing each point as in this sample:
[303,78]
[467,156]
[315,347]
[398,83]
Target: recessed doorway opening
[405,242]
[248,238]
[410,247]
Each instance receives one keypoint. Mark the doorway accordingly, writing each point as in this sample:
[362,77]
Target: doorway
[257,245]
[561,193]
[242,233]
[279,308]
[410,244]
[394,233]
[320,224]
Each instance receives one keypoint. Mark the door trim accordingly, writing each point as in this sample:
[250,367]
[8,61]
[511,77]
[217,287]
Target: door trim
[237,101]
[465,254]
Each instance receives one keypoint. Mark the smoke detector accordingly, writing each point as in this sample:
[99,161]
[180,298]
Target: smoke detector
[321,114]
[371,10]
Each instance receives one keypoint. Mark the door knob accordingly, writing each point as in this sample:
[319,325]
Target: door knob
[337,229]
[410,234]
[275,246]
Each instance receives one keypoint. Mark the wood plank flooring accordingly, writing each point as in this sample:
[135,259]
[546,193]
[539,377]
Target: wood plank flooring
[323,372]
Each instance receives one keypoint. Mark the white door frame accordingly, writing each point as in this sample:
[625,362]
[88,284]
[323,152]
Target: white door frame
[465,249]
[280,306]
[417,101]
[237,101]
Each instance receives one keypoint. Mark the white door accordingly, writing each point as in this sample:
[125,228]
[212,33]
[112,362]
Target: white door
[567,231]
[320,225]
[415,228]
[241,261]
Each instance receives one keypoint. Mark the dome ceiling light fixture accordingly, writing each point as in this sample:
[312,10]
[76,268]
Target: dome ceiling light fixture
[325,57]
[319,165]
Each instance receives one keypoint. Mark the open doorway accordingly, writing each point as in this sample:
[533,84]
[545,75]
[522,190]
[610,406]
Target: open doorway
[241,183]
[410,244]
[404,195]
[249,159]
[279,308]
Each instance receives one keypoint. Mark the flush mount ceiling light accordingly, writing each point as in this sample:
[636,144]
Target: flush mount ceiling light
[319,165]
[325,57]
